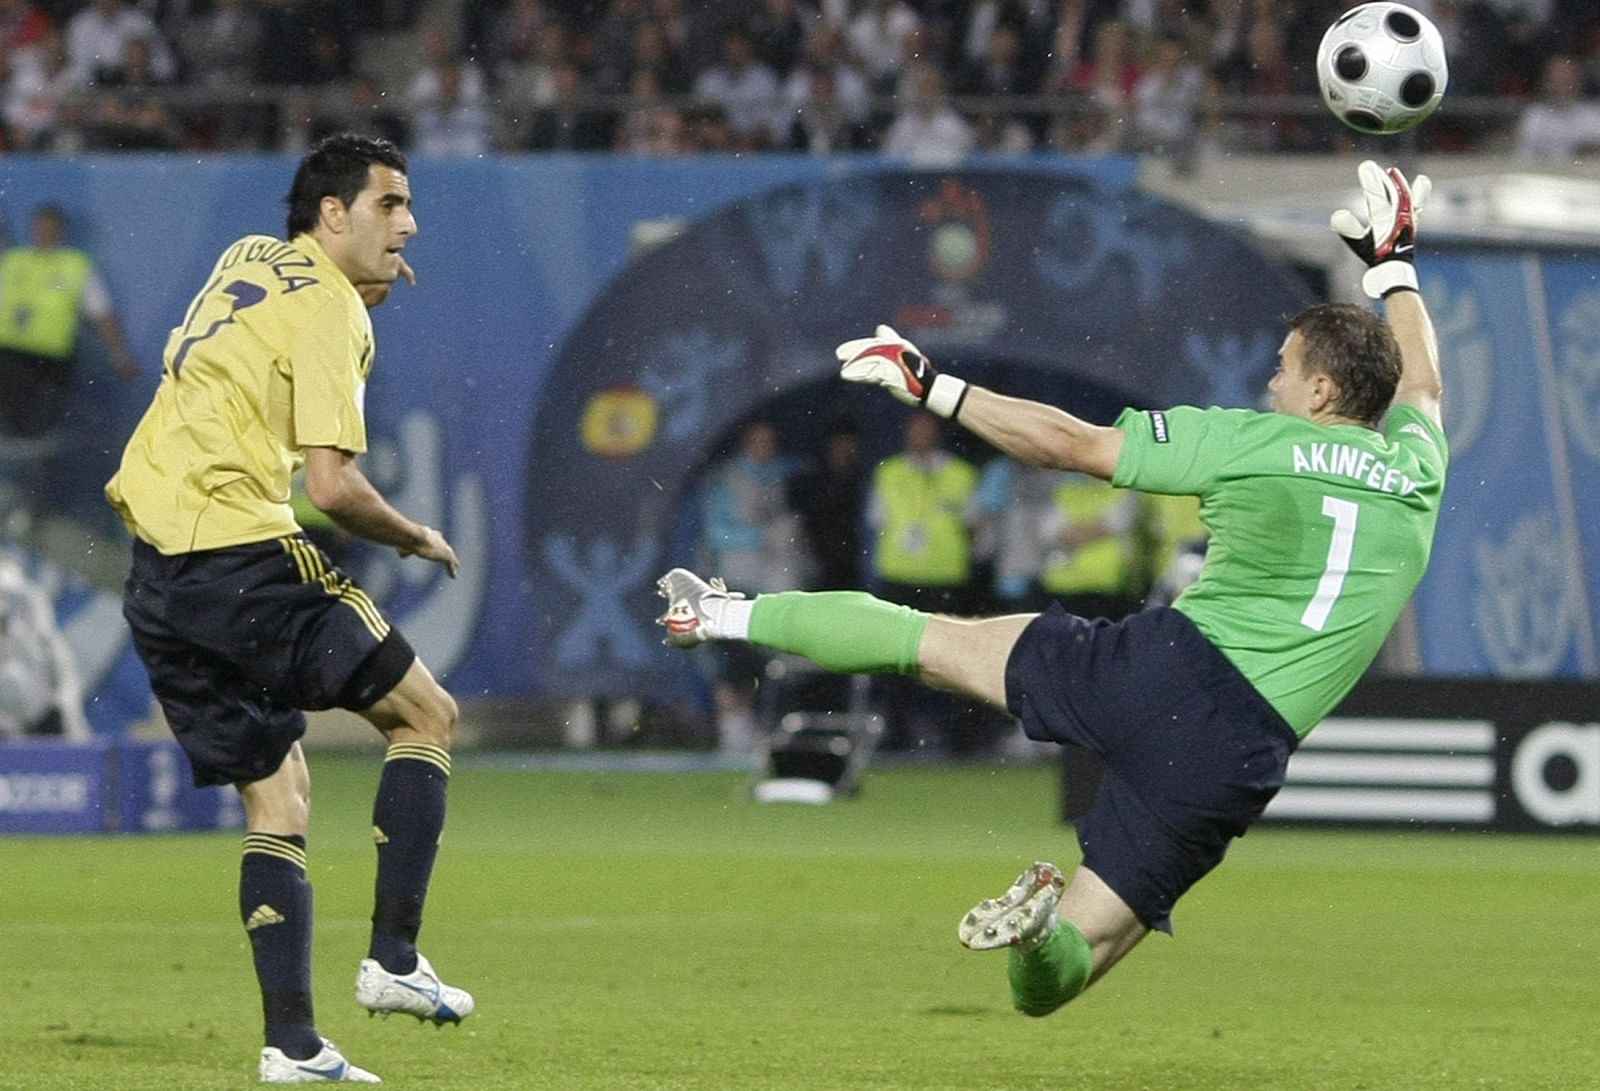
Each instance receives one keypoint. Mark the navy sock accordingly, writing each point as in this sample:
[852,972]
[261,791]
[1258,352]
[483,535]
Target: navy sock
[407,819]
[275,905]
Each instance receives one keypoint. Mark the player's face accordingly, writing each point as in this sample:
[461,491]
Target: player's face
[1291,390]
[380,225]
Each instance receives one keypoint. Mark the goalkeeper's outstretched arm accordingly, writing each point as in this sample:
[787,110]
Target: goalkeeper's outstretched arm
[1033,432]
[1386,239]
[1041,434]
[1421,385]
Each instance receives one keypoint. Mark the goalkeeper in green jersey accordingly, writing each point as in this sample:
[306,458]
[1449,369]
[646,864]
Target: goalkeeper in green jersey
[1321,517]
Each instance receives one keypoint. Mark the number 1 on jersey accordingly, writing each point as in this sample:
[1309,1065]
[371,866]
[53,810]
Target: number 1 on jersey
[1343,513]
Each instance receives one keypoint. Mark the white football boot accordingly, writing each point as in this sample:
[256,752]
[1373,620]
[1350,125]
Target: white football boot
[328,1066]
[418,993]
[1023,916]
[694,607]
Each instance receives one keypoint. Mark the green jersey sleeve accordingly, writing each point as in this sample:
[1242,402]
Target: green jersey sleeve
[1179,452]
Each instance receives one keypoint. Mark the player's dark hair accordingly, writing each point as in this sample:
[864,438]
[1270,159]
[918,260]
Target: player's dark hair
[1357,350]
[336,167]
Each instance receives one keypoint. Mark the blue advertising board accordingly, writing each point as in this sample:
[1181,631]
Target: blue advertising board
[552,387]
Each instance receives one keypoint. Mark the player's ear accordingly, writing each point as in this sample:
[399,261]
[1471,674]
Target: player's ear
[1324,391]
[335,213]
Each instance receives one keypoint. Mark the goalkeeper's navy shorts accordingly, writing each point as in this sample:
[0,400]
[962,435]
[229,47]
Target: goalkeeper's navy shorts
[239,641]
[1193,752]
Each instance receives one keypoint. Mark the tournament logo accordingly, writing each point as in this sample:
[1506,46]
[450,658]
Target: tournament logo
[956,223]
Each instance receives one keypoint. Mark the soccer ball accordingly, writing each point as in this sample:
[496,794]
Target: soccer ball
[1381,68]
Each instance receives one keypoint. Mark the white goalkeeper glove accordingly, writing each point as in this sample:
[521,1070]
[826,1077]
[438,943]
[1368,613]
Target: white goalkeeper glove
[1387,240]
[889,360]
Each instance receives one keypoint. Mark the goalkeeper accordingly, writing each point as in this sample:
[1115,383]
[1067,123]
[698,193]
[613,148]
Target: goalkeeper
[1321,517]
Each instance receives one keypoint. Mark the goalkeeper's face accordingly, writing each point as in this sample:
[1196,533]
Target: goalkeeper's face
[1293,389]
[378,226]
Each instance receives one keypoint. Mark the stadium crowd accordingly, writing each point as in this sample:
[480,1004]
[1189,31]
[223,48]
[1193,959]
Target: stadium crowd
[926,80]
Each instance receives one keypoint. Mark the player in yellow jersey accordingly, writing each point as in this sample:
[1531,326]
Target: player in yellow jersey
[243,623]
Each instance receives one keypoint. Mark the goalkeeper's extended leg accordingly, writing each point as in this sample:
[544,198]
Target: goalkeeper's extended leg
[849,632]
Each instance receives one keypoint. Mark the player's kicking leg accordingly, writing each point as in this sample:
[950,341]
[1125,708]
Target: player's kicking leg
[1061,937]
[419,719]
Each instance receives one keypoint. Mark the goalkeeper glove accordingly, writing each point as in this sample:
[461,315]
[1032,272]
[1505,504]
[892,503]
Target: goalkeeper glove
[889,360]
[1387,241]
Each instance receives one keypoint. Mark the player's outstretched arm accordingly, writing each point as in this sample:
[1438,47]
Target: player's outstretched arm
[339,489]
[1033,432]
[1386,241]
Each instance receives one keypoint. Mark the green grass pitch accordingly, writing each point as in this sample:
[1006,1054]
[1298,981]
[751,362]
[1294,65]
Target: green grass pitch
[644,931]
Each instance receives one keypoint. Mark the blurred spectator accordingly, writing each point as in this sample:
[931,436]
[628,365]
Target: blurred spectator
[653,53]
[1090,564]
[1013,509]
[706,130]
[515,36]
[752,536]
[439,56]
[1265,73]
[362,108]
[824,123]
[41,79]
[565,123]
[39,689]
[918,510]
[97,39]
[1109,74]
[1166,100]
[779,29]
[530,80]
[45,290]
[1561,124]
[753,540]
[828,50]
[221,45]
[448,122]
[695,30]
[310,41]
[650,127]
[134,118]
[22,26]
[926,131]
[1001,70]
[1000,133]
[747,91]
[830,498]
[877,37]
[612,41]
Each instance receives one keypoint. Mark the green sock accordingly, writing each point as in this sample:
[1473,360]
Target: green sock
[848,632]
[1052,973]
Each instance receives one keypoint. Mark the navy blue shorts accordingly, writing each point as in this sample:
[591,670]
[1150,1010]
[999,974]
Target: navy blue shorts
[1193,752]
[239,641]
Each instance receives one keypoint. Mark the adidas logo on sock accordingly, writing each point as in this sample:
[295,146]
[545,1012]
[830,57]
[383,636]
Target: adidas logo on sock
[263,916]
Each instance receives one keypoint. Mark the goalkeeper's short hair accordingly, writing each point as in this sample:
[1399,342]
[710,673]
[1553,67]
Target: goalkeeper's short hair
[1357,350]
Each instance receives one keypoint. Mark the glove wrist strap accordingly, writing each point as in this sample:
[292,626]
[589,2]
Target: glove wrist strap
[1389,276]
[945,395]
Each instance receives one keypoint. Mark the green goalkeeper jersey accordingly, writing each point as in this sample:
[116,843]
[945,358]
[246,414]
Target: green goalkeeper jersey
[1318,536]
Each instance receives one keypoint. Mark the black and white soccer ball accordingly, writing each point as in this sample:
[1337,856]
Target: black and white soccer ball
[1381,68]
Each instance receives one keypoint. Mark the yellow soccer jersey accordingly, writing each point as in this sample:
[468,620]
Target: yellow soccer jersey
[272,357]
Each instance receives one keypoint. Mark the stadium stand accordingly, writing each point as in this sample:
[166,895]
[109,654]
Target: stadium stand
[650,75]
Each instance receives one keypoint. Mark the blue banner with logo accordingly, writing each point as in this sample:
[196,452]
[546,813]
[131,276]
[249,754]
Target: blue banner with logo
[1509,590]
[587,332]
